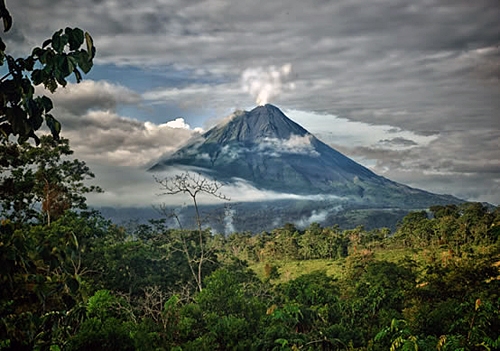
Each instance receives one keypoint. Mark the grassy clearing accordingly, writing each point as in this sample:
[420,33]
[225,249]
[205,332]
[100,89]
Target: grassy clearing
[289,269]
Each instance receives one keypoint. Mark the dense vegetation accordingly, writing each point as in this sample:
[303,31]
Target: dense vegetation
[70,280]
[79,282]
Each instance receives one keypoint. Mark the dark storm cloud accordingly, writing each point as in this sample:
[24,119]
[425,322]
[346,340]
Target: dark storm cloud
[424,25]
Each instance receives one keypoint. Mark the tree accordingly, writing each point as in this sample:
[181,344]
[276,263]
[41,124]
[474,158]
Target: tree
[227,312]
[415,229]
[21,112]
[440,211]
[193,185]
[40,176]
[40,263]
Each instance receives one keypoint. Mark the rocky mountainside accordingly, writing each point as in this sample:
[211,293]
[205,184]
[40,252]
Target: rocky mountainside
[270,151]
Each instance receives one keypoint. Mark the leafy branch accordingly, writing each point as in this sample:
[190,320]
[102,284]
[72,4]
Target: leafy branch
[21,112]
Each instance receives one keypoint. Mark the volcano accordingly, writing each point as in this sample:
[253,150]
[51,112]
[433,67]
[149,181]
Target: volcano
[271,152]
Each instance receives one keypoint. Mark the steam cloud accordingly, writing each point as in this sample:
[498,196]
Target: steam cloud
[228,221]
[265,84]
[316,216]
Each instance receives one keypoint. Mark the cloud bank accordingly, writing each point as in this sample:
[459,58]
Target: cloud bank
[98,133]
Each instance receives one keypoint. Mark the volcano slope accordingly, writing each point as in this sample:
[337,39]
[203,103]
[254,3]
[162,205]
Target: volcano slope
[270,152]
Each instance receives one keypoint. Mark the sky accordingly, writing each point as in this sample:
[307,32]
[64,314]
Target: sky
[409,89]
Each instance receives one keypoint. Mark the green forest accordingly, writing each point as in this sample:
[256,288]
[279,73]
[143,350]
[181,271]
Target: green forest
[80,282]
[72,280]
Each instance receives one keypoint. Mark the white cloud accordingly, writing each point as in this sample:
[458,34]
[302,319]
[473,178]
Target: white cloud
[316,216]
[296,144]
[179,123]
[241,190]
[342,131]
[231,152]
[109,138]
[88,113]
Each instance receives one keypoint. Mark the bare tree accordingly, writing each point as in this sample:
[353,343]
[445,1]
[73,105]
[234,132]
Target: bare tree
[193,185]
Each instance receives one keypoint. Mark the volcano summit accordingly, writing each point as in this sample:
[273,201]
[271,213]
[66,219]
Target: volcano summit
[271,152]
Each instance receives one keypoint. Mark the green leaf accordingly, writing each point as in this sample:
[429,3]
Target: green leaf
[50,84]
[84,61]
[90,45]
[59,70]
[28,89]
[31,107]
[37,76]
[282,342]
[60,79]
[381,334]
[54,125]
[46,56]
[171,303]
[37,52]
[19,121]
[36,120]
[64,40]
[7,19]
[75,38]
[46,42]
[73,62]
[59,41]
[29,63]
[35,110]
[65,65]
[56,36]
[46,103]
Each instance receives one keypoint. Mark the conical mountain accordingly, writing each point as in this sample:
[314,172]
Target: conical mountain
[267,149]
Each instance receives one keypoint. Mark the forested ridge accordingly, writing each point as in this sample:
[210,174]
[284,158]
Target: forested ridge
[72,280]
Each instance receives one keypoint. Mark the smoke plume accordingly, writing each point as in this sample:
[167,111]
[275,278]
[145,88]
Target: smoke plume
[228,220]
[265,84]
